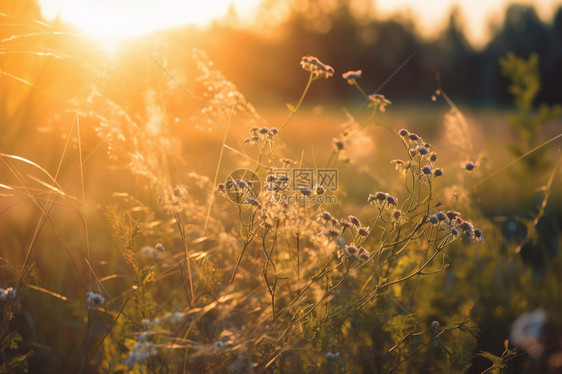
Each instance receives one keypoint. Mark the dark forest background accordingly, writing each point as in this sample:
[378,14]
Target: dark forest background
[349,37]
[347,40]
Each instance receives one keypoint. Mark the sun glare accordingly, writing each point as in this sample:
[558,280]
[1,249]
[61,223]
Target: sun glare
[129,18]
[117,19]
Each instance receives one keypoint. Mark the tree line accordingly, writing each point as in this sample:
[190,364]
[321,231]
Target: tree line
[255,60]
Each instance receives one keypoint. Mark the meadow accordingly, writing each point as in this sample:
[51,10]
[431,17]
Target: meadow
[153,219]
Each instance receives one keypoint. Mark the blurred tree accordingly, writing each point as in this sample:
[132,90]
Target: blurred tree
[452,56]
[522,33]
[551,60]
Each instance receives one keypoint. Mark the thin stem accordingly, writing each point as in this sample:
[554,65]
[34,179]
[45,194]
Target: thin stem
[246,243]
[360,89]
[294,110]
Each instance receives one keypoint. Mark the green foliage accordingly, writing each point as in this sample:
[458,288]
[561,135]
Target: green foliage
[525,86]
[498,363]
[12,360]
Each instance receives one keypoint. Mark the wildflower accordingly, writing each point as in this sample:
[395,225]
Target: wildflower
[140,353]
[219,344]
[345,224]
[435,324]
[404,132]
[363,231]
[319,189]
[469,165]
[422,150]
[221,188]
[478,234]
[433,156]
[466,226]
[352,75]
[273,131]
[391,200]
[427,170]
[159,247]
[413,136]
[441,216]
[351,250]
[149,252]
[379,101]
[327,217]
[527,330]
[381,196]
[93,300]
[452,215]
[413,152]
[454,231]
[363,254]
[332,233]
[330,355]
[175,317]
[355,221]
[438,172]
[305,191]
[397,213]
[254,202]
[317,68]
[339,145]
[263,130]
[433,219]
[174,199]
[7,294]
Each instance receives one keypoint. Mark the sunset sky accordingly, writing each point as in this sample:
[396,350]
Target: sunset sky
[122,18]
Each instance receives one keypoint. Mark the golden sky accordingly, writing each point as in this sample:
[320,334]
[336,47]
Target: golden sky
[122,18]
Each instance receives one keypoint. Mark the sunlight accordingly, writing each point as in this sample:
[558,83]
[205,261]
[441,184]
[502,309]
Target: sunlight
[114,20]
[129,18]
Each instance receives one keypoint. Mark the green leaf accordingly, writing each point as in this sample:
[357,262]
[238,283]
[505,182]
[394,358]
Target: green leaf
[497,361]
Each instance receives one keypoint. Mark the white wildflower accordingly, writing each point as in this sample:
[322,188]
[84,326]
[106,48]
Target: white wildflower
[7,294]
[527,330]
[140,353]
[94,300]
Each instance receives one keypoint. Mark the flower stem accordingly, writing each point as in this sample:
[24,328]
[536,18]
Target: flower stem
[294,110]
[361,90]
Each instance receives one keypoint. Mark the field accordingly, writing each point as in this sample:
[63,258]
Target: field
[153,219]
